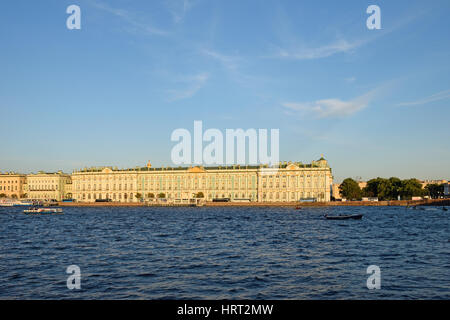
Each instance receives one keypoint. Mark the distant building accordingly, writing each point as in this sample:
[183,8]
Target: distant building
[292,181]
[335,193]
[427,182]
[48,186]
[362,184]
[447,189]
[370,199]
[11,184]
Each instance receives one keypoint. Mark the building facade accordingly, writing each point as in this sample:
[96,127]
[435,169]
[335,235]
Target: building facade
[12,185]
[290,182]
[335,192]
[438,182]
[48,186]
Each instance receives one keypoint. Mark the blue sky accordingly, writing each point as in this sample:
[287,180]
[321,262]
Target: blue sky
[374,102]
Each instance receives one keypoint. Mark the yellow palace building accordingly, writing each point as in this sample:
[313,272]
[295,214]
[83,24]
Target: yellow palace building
[292,181]
[12,185]
[48,186]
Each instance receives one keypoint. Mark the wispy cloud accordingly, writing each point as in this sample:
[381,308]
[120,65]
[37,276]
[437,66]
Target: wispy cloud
[331,108]
[296,49]
[234,65]
[228,61]
[309,53]
[192,84]
[179,8]
[434,97]
[130,19]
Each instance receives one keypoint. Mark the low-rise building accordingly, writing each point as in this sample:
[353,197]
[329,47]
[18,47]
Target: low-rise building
[438,182]
[11,185]
[47,186]
[335,192]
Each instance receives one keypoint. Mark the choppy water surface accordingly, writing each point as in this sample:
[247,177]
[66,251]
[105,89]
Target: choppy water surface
[225,253]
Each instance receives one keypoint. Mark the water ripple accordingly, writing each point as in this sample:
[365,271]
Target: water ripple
[224,253]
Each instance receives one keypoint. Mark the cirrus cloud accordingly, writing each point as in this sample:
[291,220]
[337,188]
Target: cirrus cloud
[331,108]
[193,85]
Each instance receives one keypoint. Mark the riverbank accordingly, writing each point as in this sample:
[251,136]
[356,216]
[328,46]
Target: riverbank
[429,202]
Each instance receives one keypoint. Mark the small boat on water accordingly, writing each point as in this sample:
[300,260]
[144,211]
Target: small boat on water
[16,203]
[444,208]
[24,204]
[298,208]
[6,204]
[344,217]
[43,211]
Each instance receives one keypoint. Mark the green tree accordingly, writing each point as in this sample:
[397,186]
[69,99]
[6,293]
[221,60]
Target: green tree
[14,196]
[379,188]
[199,195]
[151,195]
[393,187]
[411,188]
[2,195]
[435,190]
[162,195]
[390,189]
[138,196]
[350,189]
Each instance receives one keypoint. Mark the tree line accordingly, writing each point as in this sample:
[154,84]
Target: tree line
[389,189]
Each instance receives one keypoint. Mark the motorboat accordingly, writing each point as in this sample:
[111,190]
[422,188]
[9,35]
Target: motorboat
[6,204]
[43,211]
[15,203]
[344,217]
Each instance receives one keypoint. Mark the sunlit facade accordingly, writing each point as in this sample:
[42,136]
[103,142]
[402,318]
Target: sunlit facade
[47,186]
[290,182]
[11,185]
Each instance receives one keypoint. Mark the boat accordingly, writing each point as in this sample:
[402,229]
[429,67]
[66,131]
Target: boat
[15,203]
[23,203]
[344,217]
[6,204]
[43,211]
[298,208]
[444,208]
[51,204]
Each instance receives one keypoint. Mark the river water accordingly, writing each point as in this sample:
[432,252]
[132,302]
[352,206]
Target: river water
[225,253]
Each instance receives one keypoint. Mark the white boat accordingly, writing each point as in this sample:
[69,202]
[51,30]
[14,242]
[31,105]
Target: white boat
[6,204]
[15,203]
[23,203]
[43,211]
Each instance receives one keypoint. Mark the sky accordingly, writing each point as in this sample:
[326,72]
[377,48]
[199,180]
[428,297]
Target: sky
[373,102]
